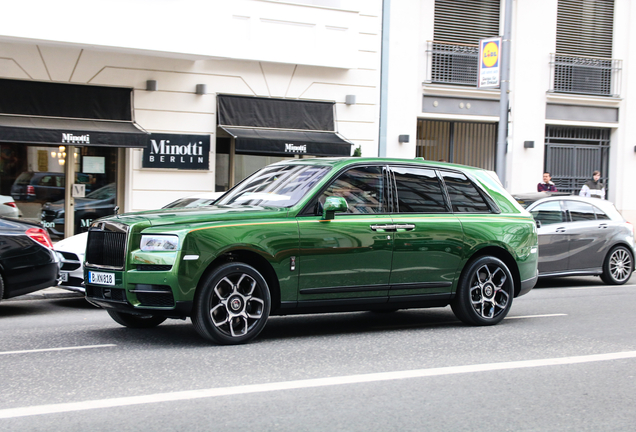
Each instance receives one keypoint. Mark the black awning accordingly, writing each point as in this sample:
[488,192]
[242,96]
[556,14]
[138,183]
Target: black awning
[259,112]
[79,132]
[288,142]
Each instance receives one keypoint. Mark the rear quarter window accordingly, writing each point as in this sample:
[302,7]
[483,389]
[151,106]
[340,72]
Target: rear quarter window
[464,196]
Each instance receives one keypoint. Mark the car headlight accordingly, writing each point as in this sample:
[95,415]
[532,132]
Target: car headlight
[150,243]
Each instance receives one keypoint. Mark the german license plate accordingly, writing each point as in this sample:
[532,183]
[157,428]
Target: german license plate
[64,277]
[99,278]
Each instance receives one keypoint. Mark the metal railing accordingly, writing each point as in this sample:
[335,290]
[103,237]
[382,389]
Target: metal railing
[452,63]
[585,75]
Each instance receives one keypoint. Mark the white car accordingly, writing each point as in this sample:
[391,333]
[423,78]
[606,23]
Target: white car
[71,250]
[8,207]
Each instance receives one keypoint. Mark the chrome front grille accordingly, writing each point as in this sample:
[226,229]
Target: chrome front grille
[106,245]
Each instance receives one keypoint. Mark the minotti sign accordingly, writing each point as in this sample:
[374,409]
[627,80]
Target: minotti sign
[295,148]
[69,138]
[189,152]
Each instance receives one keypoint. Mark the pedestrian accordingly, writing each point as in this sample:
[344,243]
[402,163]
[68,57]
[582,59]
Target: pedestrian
[546,185]
[594,187]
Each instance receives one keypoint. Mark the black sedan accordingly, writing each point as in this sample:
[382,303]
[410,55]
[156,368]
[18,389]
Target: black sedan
[27,260]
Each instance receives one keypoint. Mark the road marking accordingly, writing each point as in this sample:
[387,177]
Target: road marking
[601,287]
[303,384]
[57,349]
[535,316]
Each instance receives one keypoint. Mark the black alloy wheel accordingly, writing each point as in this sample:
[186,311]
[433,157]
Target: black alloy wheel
[618,266]
[135,321]
[485,292]
[232,305]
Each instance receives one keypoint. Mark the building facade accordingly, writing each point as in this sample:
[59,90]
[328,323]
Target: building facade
[570,82]
[158,106]
[134,104]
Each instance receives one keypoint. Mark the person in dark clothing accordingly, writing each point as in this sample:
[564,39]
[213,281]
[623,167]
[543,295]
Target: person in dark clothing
[594,187]
[546,185]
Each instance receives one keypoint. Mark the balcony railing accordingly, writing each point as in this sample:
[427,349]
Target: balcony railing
[585,75]
[452,63]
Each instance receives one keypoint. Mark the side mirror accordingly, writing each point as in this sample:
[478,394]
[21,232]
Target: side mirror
[332,205]
[538,222]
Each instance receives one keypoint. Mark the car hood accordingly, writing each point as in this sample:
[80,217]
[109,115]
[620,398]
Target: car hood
[193,216]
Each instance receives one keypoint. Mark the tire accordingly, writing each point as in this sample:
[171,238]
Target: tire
[485,292]
[136,321]
[618,266]
[1,288]
[232,305]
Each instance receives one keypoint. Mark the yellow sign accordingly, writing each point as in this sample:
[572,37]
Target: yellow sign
[490,54]
[489,62]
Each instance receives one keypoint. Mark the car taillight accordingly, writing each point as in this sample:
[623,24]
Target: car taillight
[40,236]
[10,204]
[30,190]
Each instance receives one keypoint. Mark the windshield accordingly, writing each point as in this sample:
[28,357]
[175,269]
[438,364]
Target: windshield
[275,186]
[105,192]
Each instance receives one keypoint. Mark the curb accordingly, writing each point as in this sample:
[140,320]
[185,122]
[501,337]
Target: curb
[47,293]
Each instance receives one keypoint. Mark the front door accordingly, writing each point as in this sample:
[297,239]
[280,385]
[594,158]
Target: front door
[350,255]
[554,246]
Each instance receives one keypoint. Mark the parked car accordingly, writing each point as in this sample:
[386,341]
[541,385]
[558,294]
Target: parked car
[71,250]
[318,235]
[583,236]
[27,260]
[43,186]
[99,203]
[38,187]
[8,207]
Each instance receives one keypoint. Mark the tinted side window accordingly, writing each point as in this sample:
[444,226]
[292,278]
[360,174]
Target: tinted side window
[418,190]
[464,196]
[361,187]
[580,211]
[549,213]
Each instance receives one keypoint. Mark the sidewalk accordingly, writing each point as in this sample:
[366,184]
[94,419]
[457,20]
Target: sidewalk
[47,293]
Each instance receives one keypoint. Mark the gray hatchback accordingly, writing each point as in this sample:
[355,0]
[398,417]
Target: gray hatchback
[583,236]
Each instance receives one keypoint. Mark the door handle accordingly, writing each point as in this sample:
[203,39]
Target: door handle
[603,225]
[560,230]
[383,228]
[405,227]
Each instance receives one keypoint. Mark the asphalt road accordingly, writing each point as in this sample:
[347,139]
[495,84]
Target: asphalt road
[564,360]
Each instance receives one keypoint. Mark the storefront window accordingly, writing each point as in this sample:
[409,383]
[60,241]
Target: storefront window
[33,176]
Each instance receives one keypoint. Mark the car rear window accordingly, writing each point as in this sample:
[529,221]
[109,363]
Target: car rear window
[580,211]
[24,178]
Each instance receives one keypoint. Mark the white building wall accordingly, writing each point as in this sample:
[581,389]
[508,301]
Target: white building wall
[245,47]
[530,77]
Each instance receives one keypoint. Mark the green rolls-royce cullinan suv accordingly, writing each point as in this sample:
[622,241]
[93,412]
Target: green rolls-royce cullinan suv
[319,235]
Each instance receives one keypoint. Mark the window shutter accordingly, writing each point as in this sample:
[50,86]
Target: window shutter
[466,21]
[585,27]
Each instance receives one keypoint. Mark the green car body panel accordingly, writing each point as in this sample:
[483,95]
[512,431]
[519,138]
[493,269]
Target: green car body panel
[309,260]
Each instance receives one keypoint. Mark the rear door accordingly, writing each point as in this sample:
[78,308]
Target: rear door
[587,236]
[428,237]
